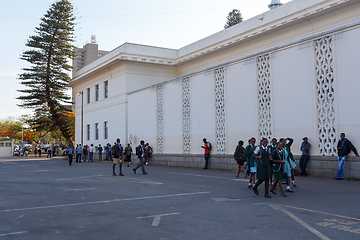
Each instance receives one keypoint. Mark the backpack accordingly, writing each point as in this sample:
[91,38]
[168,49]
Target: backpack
[150,150]
[138,150]
[210,147]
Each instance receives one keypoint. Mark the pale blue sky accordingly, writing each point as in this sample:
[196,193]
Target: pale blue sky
[163,23]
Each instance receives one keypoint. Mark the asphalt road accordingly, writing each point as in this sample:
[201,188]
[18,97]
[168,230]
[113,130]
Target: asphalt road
[47,199]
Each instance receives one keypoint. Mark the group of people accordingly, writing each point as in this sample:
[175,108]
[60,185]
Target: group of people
[113,153]
[271,163]
[275,163]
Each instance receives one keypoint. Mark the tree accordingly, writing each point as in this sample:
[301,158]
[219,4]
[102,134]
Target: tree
[233,18]
[47,76]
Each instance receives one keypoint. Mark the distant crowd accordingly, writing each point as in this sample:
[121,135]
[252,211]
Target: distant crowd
[112,153]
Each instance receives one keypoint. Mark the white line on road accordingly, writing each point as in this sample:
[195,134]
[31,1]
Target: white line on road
[27,171]
[80,189]
[62,179]
[14,233]
[157,218]
[105,201]
[269,204]
[198,175]
[304,224]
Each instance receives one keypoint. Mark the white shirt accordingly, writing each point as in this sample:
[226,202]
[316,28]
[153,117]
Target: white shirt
[90,149]
[257,150]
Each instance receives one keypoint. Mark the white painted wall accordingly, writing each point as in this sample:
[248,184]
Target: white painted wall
[293,77]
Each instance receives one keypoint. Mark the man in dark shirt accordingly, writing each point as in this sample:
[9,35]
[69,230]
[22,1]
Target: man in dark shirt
[344,147]
[305,149]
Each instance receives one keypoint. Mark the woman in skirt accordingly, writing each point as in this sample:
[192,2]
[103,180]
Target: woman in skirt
[249,153]
[240,158]
[263,154]
[278,160]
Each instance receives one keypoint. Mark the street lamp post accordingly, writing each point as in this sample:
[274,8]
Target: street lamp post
[82,116]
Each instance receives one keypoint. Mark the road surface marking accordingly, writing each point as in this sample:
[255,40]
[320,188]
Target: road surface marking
[269,204]
[309,210]
[304,224]
[157,218]
[80,189]
[105,201]
[198,175]
[14,233]
[219,199]
[62,179]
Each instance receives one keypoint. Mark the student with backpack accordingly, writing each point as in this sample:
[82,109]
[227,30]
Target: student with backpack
[117,150]
[148,152]
[140,152]
[207,147]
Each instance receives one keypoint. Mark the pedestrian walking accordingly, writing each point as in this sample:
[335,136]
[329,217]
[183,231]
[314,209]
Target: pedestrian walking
[39,151]
[305,149]
[79,151]
[289,163]
[240,158]
[207,147]
[91,152]
[278,161]
[85,152]
[117,151]
[108,152]
[249,153]
[70,152]
[344,147]
[128,151]
[100,150]
[48,152]
[140,152]
[263,154]
[148,152]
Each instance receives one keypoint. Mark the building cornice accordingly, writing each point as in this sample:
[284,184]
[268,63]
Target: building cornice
[291,12]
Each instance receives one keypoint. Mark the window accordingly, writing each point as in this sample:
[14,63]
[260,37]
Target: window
[7,144]
[97,92]
[106,129]
[88,132]
[106,89]
[96,131]
[88,95]
[1,144]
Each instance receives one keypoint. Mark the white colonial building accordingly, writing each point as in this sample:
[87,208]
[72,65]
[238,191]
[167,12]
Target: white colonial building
[289,72]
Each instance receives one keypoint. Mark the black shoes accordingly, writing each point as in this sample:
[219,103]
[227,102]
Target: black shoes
[144,172]
[114,174]
[121,174]
[337,178]
[289,190]
[256,191]
[283,195]
[267,195]
[205,168]
[134,171]
[272,191]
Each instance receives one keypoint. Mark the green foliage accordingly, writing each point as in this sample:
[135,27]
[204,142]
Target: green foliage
[47,76]
[233,18]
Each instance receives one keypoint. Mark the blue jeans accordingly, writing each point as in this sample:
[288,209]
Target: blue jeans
[340,171]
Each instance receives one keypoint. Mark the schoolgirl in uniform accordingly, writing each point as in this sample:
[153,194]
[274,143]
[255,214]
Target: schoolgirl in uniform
[263,154]
[289,163]
[249,153]
[278,160]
